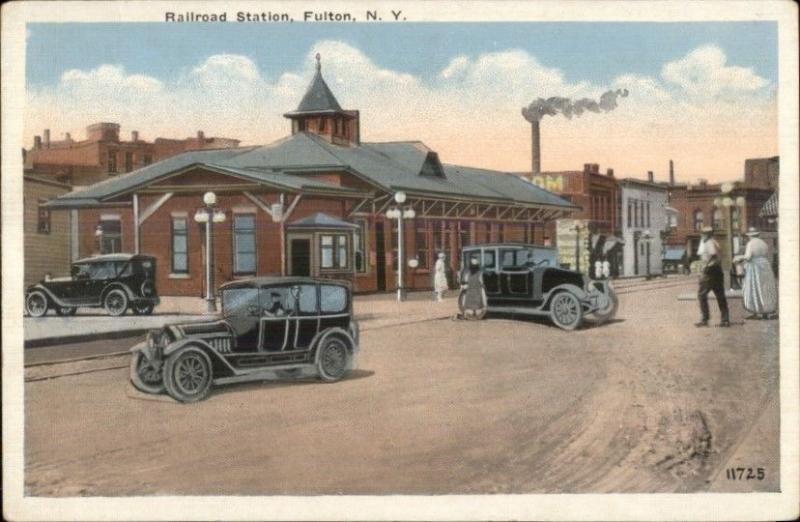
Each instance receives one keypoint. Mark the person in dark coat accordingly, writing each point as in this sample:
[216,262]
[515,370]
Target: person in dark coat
[712,279]
[472,301]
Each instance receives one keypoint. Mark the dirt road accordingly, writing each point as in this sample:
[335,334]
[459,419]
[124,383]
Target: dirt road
[645,404]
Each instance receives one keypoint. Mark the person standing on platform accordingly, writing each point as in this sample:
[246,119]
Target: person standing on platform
[440,278]
[712,279]
[759,291]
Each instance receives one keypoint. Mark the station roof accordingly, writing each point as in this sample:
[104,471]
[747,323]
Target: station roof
[410,166]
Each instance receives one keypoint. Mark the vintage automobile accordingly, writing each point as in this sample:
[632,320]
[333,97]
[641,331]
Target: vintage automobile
[524,279]
[115,282]
[270,327]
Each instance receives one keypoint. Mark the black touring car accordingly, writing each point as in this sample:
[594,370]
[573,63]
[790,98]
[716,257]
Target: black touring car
[270,327]
[525,280]
[115,282]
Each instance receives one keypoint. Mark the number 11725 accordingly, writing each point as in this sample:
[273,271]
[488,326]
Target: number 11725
[745,473]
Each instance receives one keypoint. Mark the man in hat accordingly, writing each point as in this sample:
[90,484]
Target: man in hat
[711,278]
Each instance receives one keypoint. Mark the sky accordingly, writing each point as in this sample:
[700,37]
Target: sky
[702,94]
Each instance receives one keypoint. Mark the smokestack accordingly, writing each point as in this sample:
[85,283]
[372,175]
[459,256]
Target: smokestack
[47,138]
[535,149]
[650,176]
[37,142]
[671,173]
[134,136]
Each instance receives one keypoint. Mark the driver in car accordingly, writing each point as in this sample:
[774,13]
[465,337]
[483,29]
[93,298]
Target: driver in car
[275,309]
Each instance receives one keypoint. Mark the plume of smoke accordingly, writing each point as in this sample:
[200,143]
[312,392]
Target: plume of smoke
[542,107]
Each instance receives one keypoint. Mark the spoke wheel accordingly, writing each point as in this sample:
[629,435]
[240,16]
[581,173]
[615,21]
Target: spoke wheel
[188,374]
[142,309]
[116,302]
[36,304]
[333,360]
[66,310]
[146,375]
[566,311]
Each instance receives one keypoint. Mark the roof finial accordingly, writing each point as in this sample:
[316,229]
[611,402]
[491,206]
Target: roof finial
[319,65]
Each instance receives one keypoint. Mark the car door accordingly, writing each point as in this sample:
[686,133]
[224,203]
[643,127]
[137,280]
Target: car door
[491,277]
[277,304]
[516,277]
[305,323]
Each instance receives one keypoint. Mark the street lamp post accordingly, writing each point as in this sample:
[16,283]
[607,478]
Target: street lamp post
[399,213]
[725,200]
[209,215]
[577,228]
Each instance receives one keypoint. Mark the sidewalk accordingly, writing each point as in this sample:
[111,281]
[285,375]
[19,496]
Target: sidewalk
[372,311]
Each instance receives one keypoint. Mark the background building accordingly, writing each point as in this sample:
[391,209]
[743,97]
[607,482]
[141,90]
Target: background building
[103,153]
[597,195]
[47,234]
[644,221]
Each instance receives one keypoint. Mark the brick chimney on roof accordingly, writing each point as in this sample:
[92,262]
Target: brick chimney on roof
[650,176]
[610,173]
[201,137]
[47,138]
[134,136]
[37,142]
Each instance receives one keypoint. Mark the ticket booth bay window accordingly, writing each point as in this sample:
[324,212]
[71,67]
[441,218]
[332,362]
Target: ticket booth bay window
[321,245]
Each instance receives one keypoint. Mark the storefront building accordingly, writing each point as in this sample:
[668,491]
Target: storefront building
[313,203]
[644,219]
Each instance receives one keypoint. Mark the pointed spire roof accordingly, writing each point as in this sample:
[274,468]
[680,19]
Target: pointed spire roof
[318,97]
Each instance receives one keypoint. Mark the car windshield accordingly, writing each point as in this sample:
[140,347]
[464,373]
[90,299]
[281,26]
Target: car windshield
[235,301]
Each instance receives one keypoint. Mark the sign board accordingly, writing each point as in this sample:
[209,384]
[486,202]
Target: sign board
[566,237]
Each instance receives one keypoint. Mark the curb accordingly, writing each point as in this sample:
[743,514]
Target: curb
[83,338]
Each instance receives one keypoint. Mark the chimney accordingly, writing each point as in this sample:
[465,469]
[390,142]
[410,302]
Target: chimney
[650,176]
[37,142]
[67,137]
[587,168]
[536,167]
[201,137]
[671,173]
[595,168]
[47,138]
[610,173]
[134,136]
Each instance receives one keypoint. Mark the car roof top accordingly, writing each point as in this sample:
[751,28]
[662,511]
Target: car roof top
[253,282]
[112,257]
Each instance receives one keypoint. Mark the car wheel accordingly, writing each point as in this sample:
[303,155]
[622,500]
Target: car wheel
[566,311]
[188,374]
[146,376]
[66,310]
[36,304]
[610,310]
[116,302]
[333,359]
[143,309]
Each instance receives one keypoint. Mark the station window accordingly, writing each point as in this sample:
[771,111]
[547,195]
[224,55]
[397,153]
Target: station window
[128,161]
[111,237]
[360,246]
[112,161]
[333,251]
[244,243]
[180,246]
[423,245]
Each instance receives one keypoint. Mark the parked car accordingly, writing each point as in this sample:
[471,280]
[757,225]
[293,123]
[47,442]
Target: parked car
[270,327]
[525,280]
[115,282]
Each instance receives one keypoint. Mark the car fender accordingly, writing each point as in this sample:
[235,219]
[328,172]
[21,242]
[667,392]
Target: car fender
[122,286]
[50,295]
[578,292]
[193,341]
[321,336]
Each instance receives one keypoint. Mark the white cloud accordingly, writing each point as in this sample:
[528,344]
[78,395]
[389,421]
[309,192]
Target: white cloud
[704,73]
[469,111]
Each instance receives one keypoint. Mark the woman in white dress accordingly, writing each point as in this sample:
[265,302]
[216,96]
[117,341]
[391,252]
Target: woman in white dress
[439,277]
[759,292]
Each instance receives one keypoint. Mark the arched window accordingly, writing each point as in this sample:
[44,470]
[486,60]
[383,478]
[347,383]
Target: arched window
[698,219]
[717,221]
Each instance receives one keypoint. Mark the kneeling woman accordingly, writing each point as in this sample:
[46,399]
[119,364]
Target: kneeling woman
[472,301]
